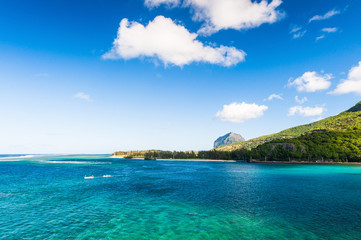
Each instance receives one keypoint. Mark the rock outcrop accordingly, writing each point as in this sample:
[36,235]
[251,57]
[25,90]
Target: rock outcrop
[228,139]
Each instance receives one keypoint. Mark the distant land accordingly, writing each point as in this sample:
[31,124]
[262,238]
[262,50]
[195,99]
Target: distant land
[334,139]
[345,121]
[228,139]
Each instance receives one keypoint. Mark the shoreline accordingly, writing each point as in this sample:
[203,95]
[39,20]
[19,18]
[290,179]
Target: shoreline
[267,162]
[188,160]
[310,163]
[197,160]
[122,157]
[242,161]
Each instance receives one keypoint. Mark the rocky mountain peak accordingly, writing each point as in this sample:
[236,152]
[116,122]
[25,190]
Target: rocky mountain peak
[228,139]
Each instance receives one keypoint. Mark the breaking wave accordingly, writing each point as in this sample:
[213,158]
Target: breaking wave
[75,162]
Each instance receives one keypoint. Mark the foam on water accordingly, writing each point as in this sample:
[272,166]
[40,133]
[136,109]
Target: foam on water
[74,162]
[16,157]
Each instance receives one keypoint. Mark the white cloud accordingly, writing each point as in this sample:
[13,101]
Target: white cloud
[326,30]
[320,37]
[157,3]
[274,96]
[311,82]
[353,82]
[83,96]
[301,100]
[295,29]
[327,15]
[233,14]
[171,43]
[329,30]
[299,34]
[306,111]
[240,112]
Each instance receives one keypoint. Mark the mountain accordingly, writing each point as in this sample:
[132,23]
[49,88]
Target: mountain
[346,121]
[228,139]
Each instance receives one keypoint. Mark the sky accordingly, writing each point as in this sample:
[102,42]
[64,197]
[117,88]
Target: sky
[98,76]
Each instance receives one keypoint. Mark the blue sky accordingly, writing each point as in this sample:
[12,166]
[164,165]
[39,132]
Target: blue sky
[178,75]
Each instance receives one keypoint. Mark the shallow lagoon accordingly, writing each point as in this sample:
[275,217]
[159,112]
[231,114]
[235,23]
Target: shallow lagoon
[47,197]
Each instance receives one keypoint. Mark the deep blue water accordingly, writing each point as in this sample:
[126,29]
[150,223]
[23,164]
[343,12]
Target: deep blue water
[48,198]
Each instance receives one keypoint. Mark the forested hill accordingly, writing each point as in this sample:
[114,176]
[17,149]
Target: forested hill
[346,121]
[322,145]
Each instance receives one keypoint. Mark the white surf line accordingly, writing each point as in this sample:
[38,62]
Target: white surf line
[104,176]
[73,162]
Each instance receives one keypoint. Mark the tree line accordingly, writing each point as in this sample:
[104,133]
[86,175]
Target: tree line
[316,146]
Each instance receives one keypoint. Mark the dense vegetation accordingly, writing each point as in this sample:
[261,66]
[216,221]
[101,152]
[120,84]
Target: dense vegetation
[133,154]
[345,121]
[316,146]
[153,155]
[322,145]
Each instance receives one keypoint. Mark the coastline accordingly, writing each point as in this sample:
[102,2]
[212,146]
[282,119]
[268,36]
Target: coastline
[305,162]
[196,160]
[188,160]
[122,157]
[267,162]
[242,161]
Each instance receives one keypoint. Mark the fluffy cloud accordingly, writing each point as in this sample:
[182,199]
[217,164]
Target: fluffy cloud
[329,30]
[171,43]
[240,112]
[311,82]
[274,96]
[327,15]
[83,96]
[157,3]
[353,82]
[301,100]
[233,14]
[306,111]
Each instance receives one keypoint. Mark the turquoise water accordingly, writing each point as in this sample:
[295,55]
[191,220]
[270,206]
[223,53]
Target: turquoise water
[47,197]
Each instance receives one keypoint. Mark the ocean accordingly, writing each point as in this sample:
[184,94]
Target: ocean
[47,197]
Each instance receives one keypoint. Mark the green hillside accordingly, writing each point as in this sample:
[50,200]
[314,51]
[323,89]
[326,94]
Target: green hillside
[345,121]
[315,146]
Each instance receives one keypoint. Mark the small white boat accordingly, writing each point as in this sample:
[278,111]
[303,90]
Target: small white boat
[107,175]
[88,177]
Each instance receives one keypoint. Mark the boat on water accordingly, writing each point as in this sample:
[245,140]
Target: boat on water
[107,175]
[88,177]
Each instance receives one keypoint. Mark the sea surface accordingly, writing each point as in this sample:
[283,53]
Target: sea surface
[47,197]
